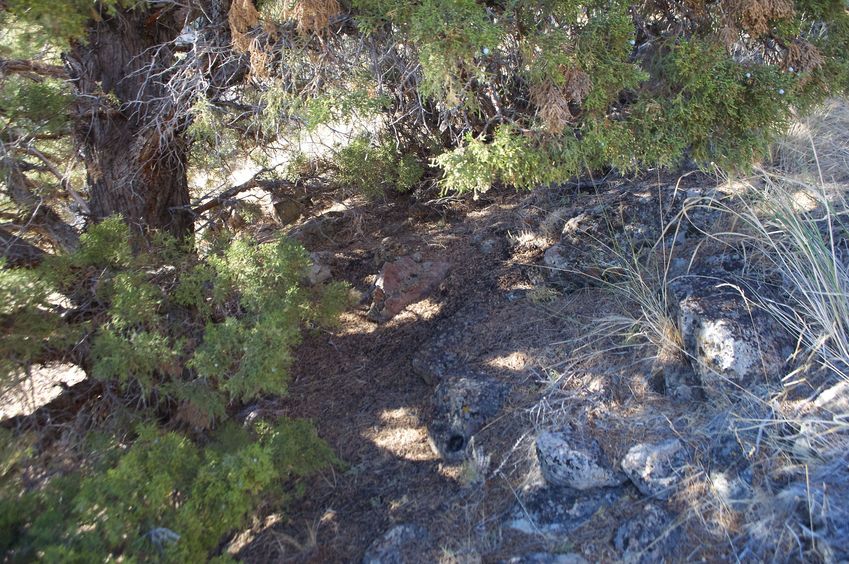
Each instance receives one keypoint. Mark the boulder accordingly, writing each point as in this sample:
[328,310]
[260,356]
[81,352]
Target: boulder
[557,511]
[655,468]
[649,537]
[402,544]
[461,407]
[567,459]
[732,344]
[403,282]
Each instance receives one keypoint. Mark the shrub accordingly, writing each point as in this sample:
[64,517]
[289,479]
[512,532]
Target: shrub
[371,168]
[180,340]
[162,499]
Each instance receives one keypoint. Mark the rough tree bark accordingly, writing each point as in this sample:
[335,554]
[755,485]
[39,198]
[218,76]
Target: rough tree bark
[134,145]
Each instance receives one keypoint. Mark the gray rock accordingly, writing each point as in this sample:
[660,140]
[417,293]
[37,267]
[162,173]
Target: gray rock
[402,544]
[557,511]
[547,558]
[319,269]
[568,460]
[732,344]
[672,374]
[649,537]
[734,491]
[655,468]
[461,407]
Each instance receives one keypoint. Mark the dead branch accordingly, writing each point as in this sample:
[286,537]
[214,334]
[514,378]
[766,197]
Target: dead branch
[19,252]
[230,193]
[21,66]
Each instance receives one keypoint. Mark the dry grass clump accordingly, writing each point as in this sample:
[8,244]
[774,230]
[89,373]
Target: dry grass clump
[790,221]
[815,149]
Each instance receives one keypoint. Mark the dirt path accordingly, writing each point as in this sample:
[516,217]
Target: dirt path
[358,386]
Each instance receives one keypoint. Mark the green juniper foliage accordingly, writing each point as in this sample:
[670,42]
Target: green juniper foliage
[194,335]
[554,89]
[162,499]
[369,168]
[180,333]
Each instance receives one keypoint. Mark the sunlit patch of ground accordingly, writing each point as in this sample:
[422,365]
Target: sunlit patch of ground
[44,385]
[401,433]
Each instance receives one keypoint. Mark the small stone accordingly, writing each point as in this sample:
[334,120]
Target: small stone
[400,545]
[404,282]
[567,460]
[461,407]
[655,468]
[649,537]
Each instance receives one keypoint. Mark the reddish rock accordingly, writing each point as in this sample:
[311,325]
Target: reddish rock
[403,282]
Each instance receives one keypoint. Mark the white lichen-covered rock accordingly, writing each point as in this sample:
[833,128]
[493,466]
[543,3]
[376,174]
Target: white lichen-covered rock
[566,459]
[733,345]
[656,469]
[401,544]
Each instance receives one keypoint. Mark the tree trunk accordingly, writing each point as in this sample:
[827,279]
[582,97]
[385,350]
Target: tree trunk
[128,122]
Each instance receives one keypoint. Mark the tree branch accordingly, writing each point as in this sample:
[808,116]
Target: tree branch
[63,178]
[21,66]
[42,217]
[230,193]
[19,252]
